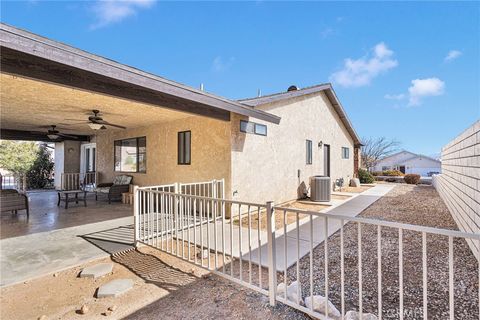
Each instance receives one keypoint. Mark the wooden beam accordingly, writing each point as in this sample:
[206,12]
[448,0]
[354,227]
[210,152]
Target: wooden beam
[7,134]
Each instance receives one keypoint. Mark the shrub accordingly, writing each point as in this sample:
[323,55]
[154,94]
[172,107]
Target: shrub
[376,173]
[40,174]
[365,176]
[392,173]
[412,178]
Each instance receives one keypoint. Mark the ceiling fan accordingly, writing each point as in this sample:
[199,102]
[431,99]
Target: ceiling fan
[54,134]
[96,122]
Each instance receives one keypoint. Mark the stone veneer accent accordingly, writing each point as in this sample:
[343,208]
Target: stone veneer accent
[459,183]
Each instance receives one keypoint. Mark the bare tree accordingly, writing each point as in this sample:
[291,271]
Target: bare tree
[375,149]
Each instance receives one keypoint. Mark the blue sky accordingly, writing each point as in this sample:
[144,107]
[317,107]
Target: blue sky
[408,71]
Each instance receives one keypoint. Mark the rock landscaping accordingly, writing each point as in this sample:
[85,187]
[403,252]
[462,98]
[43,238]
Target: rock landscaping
[410,204]
[114,288]
[319,306]
[97,271]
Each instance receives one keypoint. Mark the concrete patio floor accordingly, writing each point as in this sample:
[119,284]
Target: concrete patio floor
[30,256]
[45,215]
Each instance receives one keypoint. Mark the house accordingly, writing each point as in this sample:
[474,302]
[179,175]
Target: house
[409,162]
[162,132]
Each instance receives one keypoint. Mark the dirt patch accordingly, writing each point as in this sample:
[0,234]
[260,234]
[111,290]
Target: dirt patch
[257,221]
[356,189]
[164,287]
[259,218]
[340,197]
[419,205]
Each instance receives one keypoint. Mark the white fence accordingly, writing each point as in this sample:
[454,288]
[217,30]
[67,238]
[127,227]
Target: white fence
[77,180]
[14,181]
[394,270]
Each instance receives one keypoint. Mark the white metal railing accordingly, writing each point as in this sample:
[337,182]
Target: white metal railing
[355,263]
[78,181]
[14,181]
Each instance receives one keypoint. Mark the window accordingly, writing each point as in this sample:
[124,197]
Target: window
[252,127]
[184,147]
[385,168]
[131,155]
[345,153]
[309,151]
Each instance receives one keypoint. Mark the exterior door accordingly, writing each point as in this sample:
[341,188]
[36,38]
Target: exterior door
[88,158]
[326,160]
[402,169]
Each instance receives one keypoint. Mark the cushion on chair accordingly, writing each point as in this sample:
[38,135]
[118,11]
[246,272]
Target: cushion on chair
[102,189]
[122,180]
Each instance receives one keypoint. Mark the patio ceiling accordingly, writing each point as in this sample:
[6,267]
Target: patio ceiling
[44,82]
[30,105]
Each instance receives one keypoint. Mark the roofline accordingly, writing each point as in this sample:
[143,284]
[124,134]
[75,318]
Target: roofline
[330,93]
[33,44]
[415,155]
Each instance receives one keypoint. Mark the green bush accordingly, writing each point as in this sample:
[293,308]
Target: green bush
[40,174]
[27,158]
[412,178]
[376,173]
[365,176]
[392,173]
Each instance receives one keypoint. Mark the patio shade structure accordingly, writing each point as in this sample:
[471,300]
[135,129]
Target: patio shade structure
[45,82]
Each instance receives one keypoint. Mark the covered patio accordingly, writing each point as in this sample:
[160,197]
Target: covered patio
[45,83]
[136,132]
[45,215]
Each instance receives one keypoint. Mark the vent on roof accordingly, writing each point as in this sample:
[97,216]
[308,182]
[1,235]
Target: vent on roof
[292,88]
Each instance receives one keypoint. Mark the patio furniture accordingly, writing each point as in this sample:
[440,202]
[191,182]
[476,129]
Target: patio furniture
[114,190]
[127,198]
[71,196]
[13,201]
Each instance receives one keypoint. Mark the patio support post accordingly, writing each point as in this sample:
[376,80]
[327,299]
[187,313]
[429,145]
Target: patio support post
[136,204]
[272,259]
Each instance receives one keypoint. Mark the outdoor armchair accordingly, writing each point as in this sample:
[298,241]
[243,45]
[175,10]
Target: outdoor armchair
[114,190]
[11,200]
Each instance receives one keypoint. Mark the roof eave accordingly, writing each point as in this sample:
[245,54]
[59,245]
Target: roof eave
[331,95]
[35,45]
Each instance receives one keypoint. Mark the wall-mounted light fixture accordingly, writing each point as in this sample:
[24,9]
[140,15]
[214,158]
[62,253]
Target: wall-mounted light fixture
[320,144]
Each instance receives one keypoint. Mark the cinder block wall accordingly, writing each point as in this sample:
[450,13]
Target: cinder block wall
[459,183]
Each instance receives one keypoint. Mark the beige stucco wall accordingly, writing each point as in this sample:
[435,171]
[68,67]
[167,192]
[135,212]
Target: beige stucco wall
[210,152]
[265,167]
[67,159]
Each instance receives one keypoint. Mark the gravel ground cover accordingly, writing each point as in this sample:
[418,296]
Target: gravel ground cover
[418,205]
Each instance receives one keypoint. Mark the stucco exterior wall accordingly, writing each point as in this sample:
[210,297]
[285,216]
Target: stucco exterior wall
[210,152]
[266,168]
[459,183]
[67,159]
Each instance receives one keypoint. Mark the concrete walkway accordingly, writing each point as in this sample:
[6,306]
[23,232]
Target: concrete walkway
[34,255]
[350,208]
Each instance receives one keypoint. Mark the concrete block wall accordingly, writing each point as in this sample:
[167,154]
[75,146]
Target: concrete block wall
[459,183]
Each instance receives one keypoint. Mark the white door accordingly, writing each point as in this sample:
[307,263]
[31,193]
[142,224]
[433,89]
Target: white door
[88,158]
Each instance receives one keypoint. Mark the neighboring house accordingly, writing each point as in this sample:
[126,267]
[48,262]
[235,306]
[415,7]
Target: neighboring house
[265,148]
[409,162]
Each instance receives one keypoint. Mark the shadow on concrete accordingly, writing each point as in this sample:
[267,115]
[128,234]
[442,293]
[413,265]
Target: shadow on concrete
[112,240]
